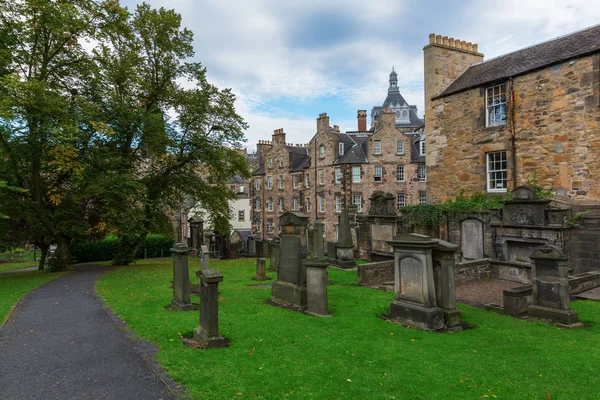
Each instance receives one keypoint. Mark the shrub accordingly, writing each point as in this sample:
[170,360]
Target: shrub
[108,248]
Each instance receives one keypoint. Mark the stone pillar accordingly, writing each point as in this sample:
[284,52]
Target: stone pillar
[344,247]
[445,281]
[266,249]
[316,284]
[415,301]
[551,293]
[181,278]
[318,248]
[251,246]
[260,270]
[275,254]
[207,334]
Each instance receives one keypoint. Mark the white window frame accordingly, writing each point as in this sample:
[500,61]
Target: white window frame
[321,176]
[321,203]
[496,102]
[269,182]
[357,201]
[270,205]
[307,181]
[270,163]
[295,181]
[281,161]
[281,204]
[281,181]
[258,225]
[422,147]
[376,146]
[341,149]
[499,172]
[321,151]
[356,171]
[401,200]
[378,173]
[338,204]
[295,204]
[422,172]
[241,189]
[257,184]
[257,204]
[307,204]
[338,175]
[400,146]
[400,173]
[241,215]
[269,226]
[422,197]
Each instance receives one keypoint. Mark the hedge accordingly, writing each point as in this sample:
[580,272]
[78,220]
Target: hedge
[106,249]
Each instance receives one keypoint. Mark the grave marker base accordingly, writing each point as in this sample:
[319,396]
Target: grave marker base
[176,305]
[417,316]
[564,317]
[289,294]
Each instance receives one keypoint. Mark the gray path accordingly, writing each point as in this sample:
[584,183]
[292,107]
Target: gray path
[61,344]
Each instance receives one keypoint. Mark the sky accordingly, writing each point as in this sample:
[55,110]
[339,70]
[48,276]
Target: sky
[287,61]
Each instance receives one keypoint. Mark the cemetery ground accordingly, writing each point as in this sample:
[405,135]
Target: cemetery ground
[278,353]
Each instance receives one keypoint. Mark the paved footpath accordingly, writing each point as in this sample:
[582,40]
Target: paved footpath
[60,343]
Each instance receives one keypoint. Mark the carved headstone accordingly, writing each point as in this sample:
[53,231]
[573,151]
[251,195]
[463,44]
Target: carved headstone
[471,237]
[275,254]
[382,204]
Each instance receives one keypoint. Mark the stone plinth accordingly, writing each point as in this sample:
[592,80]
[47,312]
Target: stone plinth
[181,278]
[207,334]
[551,293]
[445,281]
[260,270]
[275,254]
[344,248]
[316,283]
[415,301]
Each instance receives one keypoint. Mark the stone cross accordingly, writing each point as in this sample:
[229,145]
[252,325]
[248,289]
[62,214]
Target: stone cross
[316,284]
[207,334]
[260,270]
[181,278]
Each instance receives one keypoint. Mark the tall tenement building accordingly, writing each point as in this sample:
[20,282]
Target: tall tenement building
[336,168]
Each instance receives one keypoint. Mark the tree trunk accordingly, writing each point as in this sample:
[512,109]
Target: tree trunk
[62,256]
[44,249]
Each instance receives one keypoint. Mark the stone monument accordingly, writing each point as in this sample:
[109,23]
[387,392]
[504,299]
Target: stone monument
[290,287]
[251,246]
[207,335]
[181,279]
[316,283]
[204,257]
[318,243]
[344,247]
[196,232]
[275,253]
[551,293]
[260,270]
[445,281]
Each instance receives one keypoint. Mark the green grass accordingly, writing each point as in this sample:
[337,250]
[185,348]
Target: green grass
[16,265]
[278,353]
[14,286]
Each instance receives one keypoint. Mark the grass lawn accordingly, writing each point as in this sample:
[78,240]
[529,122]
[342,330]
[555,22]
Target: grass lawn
[17,265]
[278,353]
[15,286]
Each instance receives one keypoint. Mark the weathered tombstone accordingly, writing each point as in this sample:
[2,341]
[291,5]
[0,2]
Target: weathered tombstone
[415,300]
[471,238]
[204,257]
[524,208]
[344,247]
[251,246]
[551,293]
[275,253]
[445,281]
[266,249]
[181,279]
[331,251]
[318,247]
[316,284]
[290,287]
[207,334]
[260,270]
[259,248]
[196,229]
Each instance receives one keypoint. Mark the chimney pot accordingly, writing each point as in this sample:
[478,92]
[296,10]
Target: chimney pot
[469,46]
[438,39]
[475,47]
[463,44]
[445,40]
[451,42]
[431,38]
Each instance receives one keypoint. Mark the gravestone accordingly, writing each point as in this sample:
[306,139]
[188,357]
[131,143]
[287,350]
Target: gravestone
[316,283]
[260,270]
[207,334]
[196,229]
[290,287]
[251,246]
[318,248]
[181,279]
[331,251]
[551,293]
[204,257]
[415,301]
[524,208]
[344,247]
[275,254]
[444,267]
[471,238]
[266,249]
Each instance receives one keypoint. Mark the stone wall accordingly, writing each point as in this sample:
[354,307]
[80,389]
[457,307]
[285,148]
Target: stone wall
[377,274]
[585,245]
[556,127]
[473,270]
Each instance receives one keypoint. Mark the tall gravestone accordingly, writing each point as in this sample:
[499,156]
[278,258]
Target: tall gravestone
[415,301]
[344,247]
[290,287]
[318,246]
[206,335]
[444,266]
[196,230]
[251,246]
[275,254]
[551,293]
[204,257]
[266,249]
[181,279]
[316,283]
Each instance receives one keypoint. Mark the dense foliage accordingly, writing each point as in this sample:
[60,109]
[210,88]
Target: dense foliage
[154,245]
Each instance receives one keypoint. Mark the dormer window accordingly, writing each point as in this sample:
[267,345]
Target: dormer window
[422,150]
[495,110]
[341,149]
[321,151]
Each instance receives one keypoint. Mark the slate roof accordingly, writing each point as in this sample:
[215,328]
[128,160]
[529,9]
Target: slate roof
[395,97]
[299,159]
[357,152]
[529,59]
[236,179]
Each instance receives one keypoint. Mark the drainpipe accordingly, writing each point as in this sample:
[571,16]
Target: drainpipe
[512,131]
[316,182]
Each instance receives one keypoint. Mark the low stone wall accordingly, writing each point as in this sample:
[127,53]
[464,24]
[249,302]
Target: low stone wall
[585,245]
[473,270]
[511,271]
[582,282]
[376,274]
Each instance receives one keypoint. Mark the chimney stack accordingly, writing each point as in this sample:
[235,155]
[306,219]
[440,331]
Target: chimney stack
[336,128]
[362,120]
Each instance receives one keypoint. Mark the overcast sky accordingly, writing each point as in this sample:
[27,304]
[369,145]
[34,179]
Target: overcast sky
[288,61]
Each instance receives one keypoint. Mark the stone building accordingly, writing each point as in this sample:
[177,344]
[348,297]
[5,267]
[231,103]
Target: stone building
[531,116]
[335,170]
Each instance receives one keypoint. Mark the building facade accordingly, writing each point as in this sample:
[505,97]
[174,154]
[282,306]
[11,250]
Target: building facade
[531,116]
